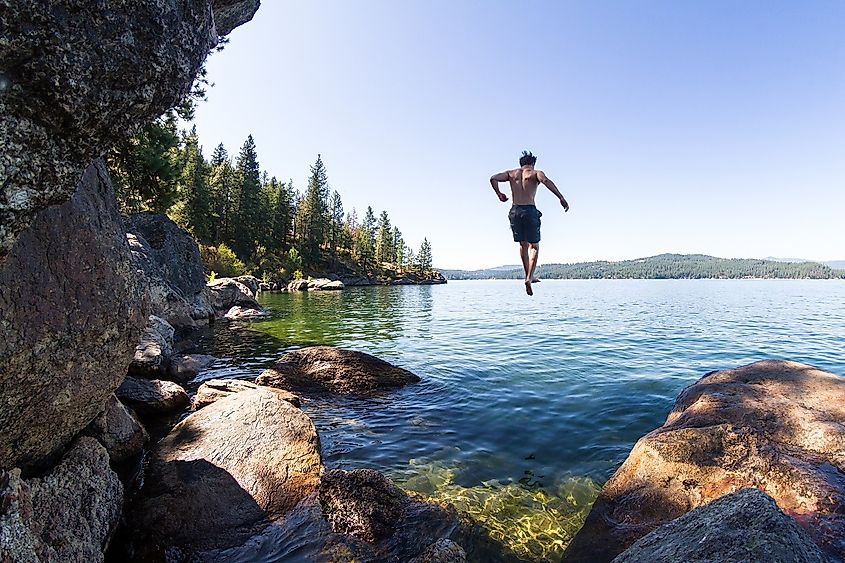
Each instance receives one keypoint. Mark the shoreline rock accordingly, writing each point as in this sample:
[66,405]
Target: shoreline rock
[184,367]
[153,352]
[743,526]
[335,281]
[215,389]
[168,259]
[327,368]
[152,397]
[118,431]
[226,472]
[226,293]
[72,313]
[68,514]
[774,425]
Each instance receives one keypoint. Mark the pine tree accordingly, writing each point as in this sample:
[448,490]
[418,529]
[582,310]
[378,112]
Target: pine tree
[398,248]
[247,225]
[384,239]
[219,156]
[222,185]
[424,257]
[313,214]
[410,258]
[282,217]
[336,222]
[195,209]
[145,168]
[366,242]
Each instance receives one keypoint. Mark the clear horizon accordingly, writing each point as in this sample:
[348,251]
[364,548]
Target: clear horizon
[671,128]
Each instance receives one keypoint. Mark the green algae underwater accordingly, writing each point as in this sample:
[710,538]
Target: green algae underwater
[533,522]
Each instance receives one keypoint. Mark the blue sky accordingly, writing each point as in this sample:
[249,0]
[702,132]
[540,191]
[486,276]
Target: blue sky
[708,127]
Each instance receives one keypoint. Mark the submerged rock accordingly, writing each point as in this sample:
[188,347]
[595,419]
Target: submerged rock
[777,426]
[365,505]
[66,516]
[152,355]
[215,389]
[168,259]
[151,396]
[442,551]
[226,472]
[185,367]
[334,369]
[739,527]
[118,431]
[362,503]
[71,313]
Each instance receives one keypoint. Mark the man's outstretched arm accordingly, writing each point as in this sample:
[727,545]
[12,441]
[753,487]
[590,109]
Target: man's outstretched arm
[494,181]
[546,181]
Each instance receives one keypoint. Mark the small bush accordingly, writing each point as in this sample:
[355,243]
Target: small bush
[297,275]
[221,260]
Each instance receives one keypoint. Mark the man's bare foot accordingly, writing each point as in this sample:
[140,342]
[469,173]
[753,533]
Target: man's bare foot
[528,289]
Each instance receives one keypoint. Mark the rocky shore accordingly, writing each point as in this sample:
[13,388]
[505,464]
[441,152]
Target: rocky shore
[103,451]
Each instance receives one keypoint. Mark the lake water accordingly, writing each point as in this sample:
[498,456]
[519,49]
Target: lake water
[528,404]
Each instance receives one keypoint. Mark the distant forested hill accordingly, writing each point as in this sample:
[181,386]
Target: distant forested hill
[664,266]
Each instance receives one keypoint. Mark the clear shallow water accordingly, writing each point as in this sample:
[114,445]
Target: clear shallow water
[528,405]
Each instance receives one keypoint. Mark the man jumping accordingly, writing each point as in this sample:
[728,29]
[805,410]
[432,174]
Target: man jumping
[524,215]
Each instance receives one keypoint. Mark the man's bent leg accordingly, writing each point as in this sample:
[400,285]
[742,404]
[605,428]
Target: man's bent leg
[533,252]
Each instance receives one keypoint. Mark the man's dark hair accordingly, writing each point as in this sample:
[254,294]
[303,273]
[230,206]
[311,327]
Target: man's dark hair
[527,159]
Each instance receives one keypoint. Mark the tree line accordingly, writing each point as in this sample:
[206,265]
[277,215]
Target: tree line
[248,221]
[665,266]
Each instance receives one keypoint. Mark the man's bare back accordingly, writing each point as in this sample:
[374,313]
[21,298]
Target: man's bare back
[524,215]
[524,182]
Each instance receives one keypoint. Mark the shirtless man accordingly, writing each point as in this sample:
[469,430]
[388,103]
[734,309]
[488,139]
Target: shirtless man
[524,216]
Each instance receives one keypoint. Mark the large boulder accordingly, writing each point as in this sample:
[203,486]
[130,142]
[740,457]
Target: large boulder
[67,515]
[80,75]
[71,314]
[226,293]
[153,352]
[227,472]
[117,430]
[215,389]
[150,397]
[739,527]
[777,426]
[333,369]
[169,259]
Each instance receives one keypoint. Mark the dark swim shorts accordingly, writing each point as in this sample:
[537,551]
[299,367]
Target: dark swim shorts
[525,223]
